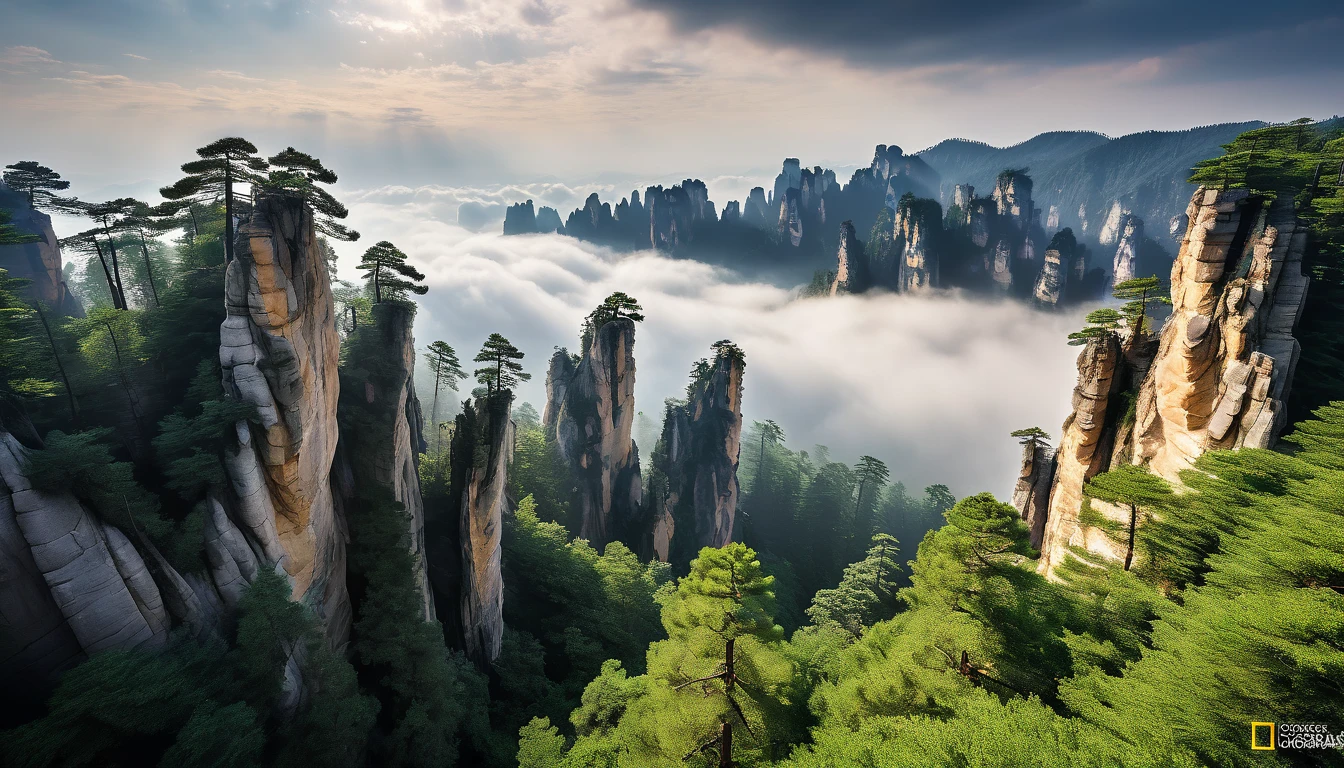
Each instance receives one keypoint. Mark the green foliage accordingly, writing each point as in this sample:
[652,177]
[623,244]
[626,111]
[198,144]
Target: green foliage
[385,268]
[82,464]
[982,731]
[222,164]
[1100,324]
[38,181]
[867,592]
[1138,294]
[298,173]
[561,591]
[431,697]
[1030,436]
[218,736]
[1259,632]
[1136,488]
[10,235]
[540,744]
[503,371]
[618,304]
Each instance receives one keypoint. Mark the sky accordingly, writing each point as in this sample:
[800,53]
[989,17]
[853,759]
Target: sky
[472,93]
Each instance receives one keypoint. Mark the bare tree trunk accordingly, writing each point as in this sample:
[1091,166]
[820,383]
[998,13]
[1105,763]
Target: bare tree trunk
[60,366]
[726,741]
[111,284]
[149,270]
[1133,524]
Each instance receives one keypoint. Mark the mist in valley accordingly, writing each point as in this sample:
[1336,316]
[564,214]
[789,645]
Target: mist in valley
[932,385]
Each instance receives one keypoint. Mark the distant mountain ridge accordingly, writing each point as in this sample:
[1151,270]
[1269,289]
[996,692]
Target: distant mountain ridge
[1083,175]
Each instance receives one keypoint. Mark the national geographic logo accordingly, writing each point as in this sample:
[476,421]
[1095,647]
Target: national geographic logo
[1274,736]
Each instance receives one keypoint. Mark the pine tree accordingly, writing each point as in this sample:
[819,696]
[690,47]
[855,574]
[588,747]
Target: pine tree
[10,235]
[38,181]
[867,592]
[113,218]
[1138,294]
[384,265]
[1100,323]
[504,372]
[720,672]
[1032,436]
[871,475]
[299,173]
[223,164]
[1134,487]
[443,363]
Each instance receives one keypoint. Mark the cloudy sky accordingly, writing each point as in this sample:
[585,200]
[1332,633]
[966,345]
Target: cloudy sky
[479,92]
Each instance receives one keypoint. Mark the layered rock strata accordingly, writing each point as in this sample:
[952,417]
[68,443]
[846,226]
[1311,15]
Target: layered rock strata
[482,448]
[693,485]
[279,352]
[1216,378]
[590,412]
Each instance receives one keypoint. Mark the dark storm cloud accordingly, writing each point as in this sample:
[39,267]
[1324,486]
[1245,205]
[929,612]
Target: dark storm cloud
[910,32]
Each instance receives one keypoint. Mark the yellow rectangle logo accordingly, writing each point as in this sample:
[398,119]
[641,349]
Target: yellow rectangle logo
[1255,732]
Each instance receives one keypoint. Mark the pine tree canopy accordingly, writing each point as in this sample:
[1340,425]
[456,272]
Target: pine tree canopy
[299,173]
[1100,323]
[1030,435]
[38,181]
[384,265]
[504,372]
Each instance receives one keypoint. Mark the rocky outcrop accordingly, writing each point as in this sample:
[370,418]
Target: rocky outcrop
[918,224]
[95,592]
[1031,494]
[755,211]
[548,220]
[389,446]
[1177,225]
[1218,376]
[1012,197]
[791,216]
[590,412]
[1125,265]
[1113,224]
[1083,452]
[1058,271]
[1052,218]
[520,219]
[38,262]
[1227,354]
[482,448]
[850,273]
[279,352]
[693,483]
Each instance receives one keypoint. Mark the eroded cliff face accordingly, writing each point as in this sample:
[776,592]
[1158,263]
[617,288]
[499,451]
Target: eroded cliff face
[693,486]
[850,274]
[40,261]
[73,585]
[1083,452]
[1031,494]
[590,412]
[482,448]
[1127,249]
[917,226]
[1216,378]
[279,351]
[1227,354]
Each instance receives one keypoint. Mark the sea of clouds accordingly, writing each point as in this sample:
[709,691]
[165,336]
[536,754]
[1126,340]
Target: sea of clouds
[931,385]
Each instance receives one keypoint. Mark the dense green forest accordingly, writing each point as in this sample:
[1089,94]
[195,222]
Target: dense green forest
[852,621]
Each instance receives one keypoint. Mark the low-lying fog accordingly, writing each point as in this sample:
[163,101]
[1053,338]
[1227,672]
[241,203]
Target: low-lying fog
[930,385]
